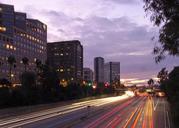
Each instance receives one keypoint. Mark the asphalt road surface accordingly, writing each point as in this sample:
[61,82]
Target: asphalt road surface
[113,112]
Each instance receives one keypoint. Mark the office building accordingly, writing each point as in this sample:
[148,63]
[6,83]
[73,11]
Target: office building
[20,37]
[67,58]
[112,72]
[99,69]
[87,75]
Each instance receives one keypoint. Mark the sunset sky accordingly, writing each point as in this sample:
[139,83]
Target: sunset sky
[117,30]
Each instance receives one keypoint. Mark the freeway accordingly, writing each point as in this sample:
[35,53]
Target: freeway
[59,112]
[113,112]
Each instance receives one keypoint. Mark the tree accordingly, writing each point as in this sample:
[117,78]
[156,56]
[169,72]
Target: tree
[1,63]
[165,13]
[11,61]
[25,61]
[151,82]
[38,65]
[172,85]
[28,79]
[162,75]
[49,82]
[172,92]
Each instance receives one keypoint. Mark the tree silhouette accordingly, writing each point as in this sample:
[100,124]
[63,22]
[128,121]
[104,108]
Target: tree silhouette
[162,75]
[11,61]
[165,13]
[25,61]
[150,82]
[38,63]
[1,63]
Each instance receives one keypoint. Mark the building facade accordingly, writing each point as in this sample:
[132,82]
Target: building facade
[67,58]
[87,75]
[99,69]
[112,72]
[20,37]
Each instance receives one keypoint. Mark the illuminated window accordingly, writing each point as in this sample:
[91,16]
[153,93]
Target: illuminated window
[2,29]
[11,47]
[61,70]
[56,54]
[7,46]
[61,54]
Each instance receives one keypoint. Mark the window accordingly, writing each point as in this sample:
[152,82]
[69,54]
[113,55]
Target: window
[61,70]
[7,46]
[2,29]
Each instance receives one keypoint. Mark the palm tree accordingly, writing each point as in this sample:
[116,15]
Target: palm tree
[11,61]
[1,63]
[25,61]
[38,63]
[151,82]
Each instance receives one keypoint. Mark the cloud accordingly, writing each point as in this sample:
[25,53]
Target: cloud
[125,1]
[113,29]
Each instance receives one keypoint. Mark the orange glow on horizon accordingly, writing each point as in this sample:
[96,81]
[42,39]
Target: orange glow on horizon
[136,81]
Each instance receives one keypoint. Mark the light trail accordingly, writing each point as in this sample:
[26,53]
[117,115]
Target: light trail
[49,113]
[130,118]
[107,115]
[136,120]
[148,115]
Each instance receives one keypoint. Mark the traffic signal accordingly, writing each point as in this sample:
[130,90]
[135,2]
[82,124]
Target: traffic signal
[89,84]
[106,84]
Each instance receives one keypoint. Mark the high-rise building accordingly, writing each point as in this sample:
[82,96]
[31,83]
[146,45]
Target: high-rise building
[67,58]
[112,72]
[99,69]
[20,37]
[87,75]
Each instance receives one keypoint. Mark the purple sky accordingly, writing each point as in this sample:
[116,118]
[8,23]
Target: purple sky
[117,30]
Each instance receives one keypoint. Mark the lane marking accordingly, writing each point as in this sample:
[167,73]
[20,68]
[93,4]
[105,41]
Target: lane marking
[165,116]
[155,106]
[168,120]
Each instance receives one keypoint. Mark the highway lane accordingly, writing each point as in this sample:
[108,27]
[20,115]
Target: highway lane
[147,112]
[77,117]
[114,117]
[113,112]
[162,118]
[26,119]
